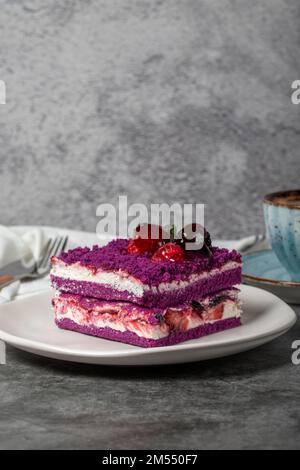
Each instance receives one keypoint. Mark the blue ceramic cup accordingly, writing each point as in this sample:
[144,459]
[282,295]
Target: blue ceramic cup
[282,219]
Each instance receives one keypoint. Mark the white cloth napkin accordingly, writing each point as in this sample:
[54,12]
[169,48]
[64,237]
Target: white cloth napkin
[28,242]
[9,292]
[19,244]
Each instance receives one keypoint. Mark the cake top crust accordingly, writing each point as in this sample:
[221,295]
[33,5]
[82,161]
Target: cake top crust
[114,257]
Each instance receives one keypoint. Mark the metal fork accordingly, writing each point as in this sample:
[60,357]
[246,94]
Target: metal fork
[53,248]
[42,267]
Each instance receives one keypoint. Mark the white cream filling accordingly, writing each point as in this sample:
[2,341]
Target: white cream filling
[76,317]
[231,309]
[121,282]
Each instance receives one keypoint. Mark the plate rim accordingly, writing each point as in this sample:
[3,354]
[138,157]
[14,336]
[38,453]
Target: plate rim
[18,341]
[265,280]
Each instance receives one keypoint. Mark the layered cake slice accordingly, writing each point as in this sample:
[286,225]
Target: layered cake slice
[147,292]
[147,327]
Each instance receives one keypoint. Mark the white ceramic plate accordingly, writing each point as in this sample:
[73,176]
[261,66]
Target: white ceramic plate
[28,324]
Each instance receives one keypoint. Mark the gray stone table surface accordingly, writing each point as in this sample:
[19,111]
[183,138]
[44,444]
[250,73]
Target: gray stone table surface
[250,400]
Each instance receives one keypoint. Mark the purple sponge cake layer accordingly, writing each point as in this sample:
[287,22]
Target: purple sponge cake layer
[151,297]
[132,338]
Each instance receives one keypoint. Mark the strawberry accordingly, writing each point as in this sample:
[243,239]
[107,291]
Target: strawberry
[176,319]
[216,312]
[169,252]
[139,246]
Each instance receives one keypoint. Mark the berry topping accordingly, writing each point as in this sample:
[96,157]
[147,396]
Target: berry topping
[150,231]
[147,239]
[169,252]
[167,245]
[139,246]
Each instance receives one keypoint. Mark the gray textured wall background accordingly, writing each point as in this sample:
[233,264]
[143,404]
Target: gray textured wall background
[163,100]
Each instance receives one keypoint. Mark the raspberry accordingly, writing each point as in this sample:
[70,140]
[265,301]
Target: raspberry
[150,231]
[143,243]
[139,246]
